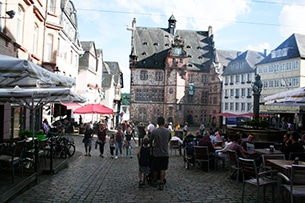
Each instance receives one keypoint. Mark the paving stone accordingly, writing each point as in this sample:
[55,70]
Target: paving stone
[96,179]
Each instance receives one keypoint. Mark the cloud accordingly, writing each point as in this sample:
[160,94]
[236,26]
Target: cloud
[260,47]
[292,20]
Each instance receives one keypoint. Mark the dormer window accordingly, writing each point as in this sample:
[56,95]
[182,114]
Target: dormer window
[143,53]
[156,44]
[189,65]
[144,43]
[167,36]
[189,56]
[167,45]
[198,47]
[188,46]
[200,57]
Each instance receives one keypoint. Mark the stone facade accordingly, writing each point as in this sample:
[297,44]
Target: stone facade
[173,75]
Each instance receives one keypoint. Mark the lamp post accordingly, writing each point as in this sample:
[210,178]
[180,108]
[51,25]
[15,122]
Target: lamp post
[11,15]
[257,86]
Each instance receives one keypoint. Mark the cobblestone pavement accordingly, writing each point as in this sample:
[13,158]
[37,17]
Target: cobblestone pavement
[96,179]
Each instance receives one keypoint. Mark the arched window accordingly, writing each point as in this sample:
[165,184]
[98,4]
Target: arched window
[20,20]
[35,39]
[52,6]
[49,48]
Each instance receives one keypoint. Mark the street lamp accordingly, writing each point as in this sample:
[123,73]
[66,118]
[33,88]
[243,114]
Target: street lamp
[10,13]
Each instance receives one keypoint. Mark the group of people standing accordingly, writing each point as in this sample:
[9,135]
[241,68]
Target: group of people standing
[116,141]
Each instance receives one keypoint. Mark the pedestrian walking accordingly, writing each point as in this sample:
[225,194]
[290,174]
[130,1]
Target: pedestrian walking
[119,137]
[88,139]
[142,133]
[112,145]
[128,135]
[144,159]
[101,135]
[160,138]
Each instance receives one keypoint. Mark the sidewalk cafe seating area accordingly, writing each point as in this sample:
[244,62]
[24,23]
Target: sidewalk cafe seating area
[18,168]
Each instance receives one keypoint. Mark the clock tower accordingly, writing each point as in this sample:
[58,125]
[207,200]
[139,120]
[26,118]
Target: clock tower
[175,80]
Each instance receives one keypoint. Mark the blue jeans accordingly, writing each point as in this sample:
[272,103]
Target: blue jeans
[128,149]
[118,146]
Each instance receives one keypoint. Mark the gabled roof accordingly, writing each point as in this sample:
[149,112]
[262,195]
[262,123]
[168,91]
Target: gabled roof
[293,47]
[224,57]
[88,46]
[111,73]
[151,46]
[244,63]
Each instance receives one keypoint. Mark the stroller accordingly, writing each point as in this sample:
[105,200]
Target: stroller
[188,151]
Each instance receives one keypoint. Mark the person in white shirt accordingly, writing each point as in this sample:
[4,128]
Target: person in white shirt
[150,128]
[176,138]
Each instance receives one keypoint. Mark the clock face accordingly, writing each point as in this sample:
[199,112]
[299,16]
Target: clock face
[177,51]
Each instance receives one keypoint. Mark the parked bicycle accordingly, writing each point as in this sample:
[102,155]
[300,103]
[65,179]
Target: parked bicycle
[63,147]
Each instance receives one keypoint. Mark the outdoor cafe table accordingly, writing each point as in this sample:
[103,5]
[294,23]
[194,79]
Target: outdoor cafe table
[267,151]
[283,165]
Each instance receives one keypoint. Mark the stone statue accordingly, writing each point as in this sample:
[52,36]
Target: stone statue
[257,85]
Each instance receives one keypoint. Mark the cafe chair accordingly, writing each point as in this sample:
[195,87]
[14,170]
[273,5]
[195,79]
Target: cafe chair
[253,177]
[174,146]
[295,185]
[202,154]
[293,155]
[14,157]
[234,164]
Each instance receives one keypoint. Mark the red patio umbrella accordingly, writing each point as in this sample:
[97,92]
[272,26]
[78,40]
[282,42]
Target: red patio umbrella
[93,109]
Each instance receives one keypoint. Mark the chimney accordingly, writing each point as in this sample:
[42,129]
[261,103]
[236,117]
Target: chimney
[172,25]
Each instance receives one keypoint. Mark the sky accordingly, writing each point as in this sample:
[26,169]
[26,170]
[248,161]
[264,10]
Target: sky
[237,24]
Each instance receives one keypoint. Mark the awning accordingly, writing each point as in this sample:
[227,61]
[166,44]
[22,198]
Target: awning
[71,105]
[293,97]
[15,71]
[226,114]
[36,97]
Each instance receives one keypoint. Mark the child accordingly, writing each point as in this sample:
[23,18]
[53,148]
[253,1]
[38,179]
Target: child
[143,158]
[112,145]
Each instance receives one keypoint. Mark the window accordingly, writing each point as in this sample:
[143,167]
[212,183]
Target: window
[270,83]
[35,39]
[157,95]
[236,93]
[19,19]
[215,100]
[236,106]
[226,106]
[249,106]
[243,78]
[243,107]
[142,113]
[232,92]
[243,92]
[205,79]
[52,6]
[237,79]
[143,75]
[226,93]
[49,48]
[231,80]
[204,97]
[190,99]
[226,80]
[249,77]
[231,106]
[249,92]
[191,78]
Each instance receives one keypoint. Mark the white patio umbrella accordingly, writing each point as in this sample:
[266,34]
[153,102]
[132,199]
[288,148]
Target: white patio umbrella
[15,71]
[33,98]
[293,97]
